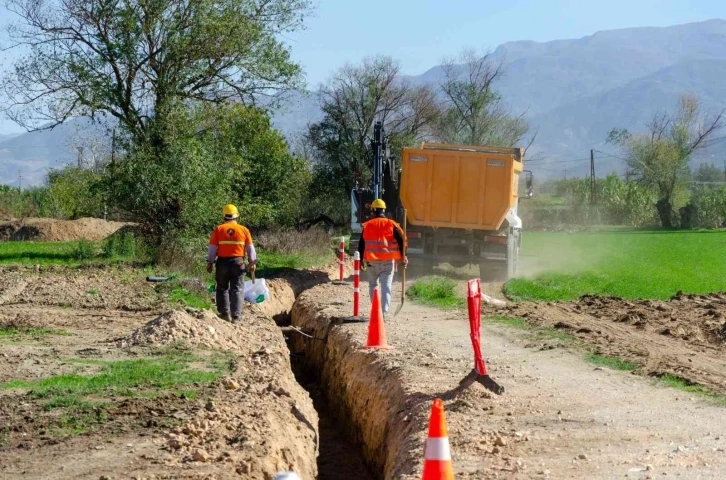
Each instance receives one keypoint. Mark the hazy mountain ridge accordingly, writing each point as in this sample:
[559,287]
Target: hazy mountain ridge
[574,92]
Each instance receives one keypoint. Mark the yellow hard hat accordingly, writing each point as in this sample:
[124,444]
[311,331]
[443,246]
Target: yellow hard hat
[378,203]
[230,211]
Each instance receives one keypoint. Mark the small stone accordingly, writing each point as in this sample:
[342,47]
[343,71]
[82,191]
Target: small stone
[681,448]
[230,384]
[500,442]
[129,445]
[104,477]
[559,412]
[200,455]
[582,456]
[244,469]
[210,406]
[518,434]
[99,447]
[212,330]
[174,443]
[495,450]
[649,467]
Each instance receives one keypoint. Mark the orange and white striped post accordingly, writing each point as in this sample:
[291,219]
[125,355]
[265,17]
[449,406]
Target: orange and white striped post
[356,284]
[341,261]
[437,455]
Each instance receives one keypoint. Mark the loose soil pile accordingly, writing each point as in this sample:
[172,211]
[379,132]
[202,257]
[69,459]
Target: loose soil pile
[684,337]
[251,422]
[51,230]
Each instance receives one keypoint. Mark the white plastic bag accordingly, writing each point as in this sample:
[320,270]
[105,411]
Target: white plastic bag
[493,301]
[256,292]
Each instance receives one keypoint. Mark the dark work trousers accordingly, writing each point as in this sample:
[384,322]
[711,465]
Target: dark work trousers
[230,292]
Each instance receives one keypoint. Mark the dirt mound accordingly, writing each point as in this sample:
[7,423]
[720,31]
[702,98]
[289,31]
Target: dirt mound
[684,337]
[52,230]
[260,420]
[202,328]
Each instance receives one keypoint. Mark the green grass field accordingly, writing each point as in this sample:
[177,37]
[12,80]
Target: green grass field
[437,292]
[632,265]
[70,254]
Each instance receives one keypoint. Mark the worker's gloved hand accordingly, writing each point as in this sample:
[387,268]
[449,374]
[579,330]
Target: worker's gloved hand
[363,265]
[252,267]
[405,262]
[210,266]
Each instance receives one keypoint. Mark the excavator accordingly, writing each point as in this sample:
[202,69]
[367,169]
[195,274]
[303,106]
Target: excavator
[460,203]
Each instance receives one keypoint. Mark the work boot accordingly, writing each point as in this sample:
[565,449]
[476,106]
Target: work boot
[235,319]
[224,316]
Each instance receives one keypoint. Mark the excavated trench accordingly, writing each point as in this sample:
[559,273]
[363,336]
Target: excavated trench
[340,453]
[359,390]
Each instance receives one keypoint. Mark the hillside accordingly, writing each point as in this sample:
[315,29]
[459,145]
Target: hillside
[574,91]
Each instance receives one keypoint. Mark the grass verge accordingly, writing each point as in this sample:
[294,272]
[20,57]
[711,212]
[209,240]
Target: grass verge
[69,254]
[573,343]
[84,402]
[436,291]
[631,265]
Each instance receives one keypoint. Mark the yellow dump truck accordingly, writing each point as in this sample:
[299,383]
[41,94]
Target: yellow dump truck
[460,203]
[461,206]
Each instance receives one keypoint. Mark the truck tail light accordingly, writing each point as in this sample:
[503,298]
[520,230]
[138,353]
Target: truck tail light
[501,240]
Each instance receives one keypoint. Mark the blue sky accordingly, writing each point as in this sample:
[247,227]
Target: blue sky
[420,33]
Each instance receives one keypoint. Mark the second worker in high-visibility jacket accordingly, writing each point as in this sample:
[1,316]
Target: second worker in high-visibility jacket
[230,244]
[381,245]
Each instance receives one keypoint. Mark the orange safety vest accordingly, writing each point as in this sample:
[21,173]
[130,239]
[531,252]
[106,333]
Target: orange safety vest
[380,244]
[230,240]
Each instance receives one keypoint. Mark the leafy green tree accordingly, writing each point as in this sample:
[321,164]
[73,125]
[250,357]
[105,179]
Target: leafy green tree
[135,60]
[216,154]
[660,157]
[473,113]
[74,193]
[709,172]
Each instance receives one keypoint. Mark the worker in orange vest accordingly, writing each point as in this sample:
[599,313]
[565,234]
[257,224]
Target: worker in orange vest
[381,244]
[229,245]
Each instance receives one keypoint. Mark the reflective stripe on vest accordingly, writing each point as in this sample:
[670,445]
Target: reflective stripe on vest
[380,244]
[229,242]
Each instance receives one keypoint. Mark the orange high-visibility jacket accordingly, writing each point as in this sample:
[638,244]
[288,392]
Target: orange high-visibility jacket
[380,244]
[230,240]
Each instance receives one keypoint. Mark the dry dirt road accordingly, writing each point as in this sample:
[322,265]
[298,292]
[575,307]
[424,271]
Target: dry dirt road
[560,417]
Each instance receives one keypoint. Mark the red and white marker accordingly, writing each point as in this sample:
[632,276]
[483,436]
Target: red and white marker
[341,249]
[356,284]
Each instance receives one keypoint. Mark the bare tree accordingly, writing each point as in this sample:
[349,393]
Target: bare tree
[352,101]
[473,113]
[660,157]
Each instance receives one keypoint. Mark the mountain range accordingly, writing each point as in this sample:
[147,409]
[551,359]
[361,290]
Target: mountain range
[572,92]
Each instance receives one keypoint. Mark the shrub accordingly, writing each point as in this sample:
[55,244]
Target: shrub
[84,250]
[120,245]
[708,205]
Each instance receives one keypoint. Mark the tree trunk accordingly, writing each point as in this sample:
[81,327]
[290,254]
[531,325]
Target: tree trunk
[665,212]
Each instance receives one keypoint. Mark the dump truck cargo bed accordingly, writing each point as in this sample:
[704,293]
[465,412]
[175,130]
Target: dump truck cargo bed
[457,186]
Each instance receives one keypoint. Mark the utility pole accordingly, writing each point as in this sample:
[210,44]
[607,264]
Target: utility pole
[565,172]
[593,198]
[20,180]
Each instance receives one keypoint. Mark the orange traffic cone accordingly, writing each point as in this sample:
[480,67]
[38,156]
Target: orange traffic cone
[437,456]
[376,330]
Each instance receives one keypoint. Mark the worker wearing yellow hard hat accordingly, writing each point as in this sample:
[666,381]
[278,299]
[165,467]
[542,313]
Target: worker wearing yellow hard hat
[381,244]
[229,245]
